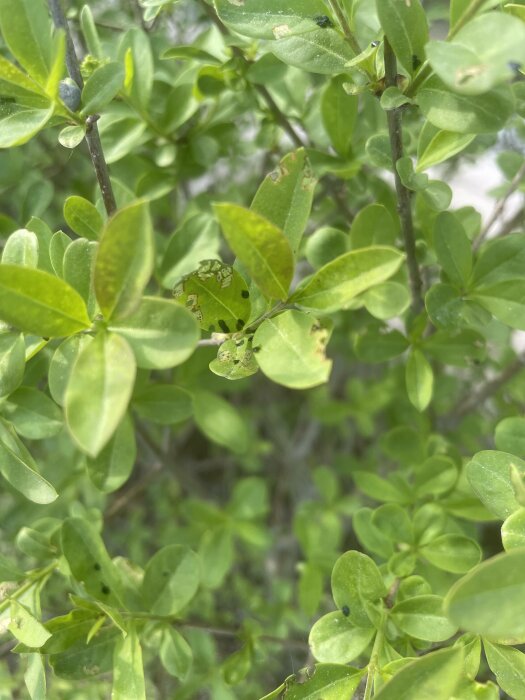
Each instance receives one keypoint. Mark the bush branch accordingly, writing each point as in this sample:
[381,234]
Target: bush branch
[403,194]
[92,134]
[491,387]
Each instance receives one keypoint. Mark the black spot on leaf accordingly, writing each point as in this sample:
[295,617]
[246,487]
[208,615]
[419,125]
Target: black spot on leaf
[97,567]
[256,349]
[223,326]
[415,62]
[345,610]
[105,589]
[240,324]
[245,294]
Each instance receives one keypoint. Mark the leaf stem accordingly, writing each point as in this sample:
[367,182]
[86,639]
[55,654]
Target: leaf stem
[32,580]
[92,134]
[349,34]
[403,194]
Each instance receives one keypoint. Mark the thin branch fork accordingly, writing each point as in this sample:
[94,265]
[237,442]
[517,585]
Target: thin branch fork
[500,206]
[403,194]
[491,387]
[92,134]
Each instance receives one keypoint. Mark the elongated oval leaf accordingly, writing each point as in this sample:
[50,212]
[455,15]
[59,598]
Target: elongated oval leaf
[285,196]
[422,617]
[337,283]
[21,248]
[19,469]
[98,391]
[260,246]
[26,30]
[83,217]
[124,261]
[39,303]
[128,670]
[112,467]
[101,87]
[171,579]
[496,585]
[259,20]
[12,362]
[335,639]
[290,350]
[435,676]
[489,474]
[405,25]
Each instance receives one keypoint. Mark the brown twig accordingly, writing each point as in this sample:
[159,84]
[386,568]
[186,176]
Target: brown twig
[491,387]
[92,134]
[403,194]
[500,206]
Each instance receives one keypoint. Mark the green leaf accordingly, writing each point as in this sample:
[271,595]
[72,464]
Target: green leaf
[17,84]
[260,246]
[387,300]
[458,348]
[220,421]
[508,665]
[452,248]
[124,261]
[377,346]
[78,264]
[324,245]
[315,50]
[21,248]
[497,584]
[164,404]
[19,469]
[195,240]
[217,296]
[435,476]
[82,660]
[310,588]
[435,676]
[336,284]
[35,677]
[356,579]
[454,553]
[33,414]
[83,217]
[393,522]
[419,380]
[12,362]
[405,25]
[160,332]
[326,682]
[57,249]
[26,30]
[19,124]
[505,300]
[238,665]
[101,87]
[334,638]
[285,196]
[465,114]
[128,671]
[437,145]
[38,303]
[513,530]
[339,114]
[235,360]
[62,363]
[509,435]
[98,391]
[114,464]
[500,260]
[459,7]
[472,62]
[71,136]
[89,561]
[175,653]
[489,474]
[251,18]
[171,580]
[422,617]
[25,627]
[137,44]
[387,490]
[290,350]
[217,555]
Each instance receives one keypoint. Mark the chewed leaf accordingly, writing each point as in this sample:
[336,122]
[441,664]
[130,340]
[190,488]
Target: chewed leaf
[235,359]
[217,296]
[290,350]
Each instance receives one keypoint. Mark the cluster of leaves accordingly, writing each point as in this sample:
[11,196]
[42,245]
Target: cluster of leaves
[131,344]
